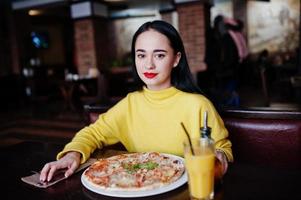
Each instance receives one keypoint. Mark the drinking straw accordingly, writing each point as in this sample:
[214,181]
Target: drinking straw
[189,140]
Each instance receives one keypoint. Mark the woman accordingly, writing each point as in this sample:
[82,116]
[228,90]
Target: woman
[149,118]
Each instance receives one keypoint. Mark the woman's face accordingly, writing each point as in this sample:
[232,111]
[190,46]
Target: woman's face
[154,59]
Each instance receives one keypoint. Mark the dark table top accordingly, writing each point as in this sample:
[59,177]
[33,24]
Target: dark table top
[242,181]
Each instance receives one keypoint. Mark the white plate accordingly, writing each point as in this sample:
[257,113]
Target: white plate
[181,181]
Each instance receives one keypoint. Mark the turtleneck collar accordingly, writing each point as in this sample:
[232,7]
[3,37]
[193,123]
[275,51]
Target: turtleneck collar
[159,96]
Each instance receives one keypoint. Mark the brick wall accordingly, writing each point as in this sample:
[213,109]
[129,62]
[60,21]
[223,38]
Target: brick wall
[192,29]
[84,45]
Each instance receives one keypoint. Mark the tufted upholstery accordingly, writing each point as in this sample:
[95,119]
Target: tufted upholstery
[265,137]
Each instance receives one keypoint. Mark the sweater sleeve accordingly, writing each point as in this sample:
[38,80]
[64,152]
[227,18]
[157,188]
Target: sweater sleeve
[105,131]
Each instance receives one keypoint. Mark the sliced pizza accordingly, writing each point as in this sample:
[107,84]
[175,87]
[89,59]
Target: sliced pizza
[135,171]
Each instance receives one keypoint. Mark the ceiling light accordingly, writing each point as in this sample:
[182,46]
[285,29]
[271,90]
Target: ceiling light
[34,12]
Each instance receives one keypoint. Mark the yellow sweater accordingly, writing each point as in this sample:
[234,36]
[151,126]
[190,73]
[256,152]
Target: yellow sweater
[150,121]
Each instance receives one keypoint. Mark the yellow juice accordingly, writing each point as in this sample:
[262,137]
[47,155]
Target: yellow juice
[200,170]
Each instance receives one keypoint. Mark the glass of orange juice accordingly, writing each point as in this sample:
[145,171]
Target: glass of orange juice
[199,161]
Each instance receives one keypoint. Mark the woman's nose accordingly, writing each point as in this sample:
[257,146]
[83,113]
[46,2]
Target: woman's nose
[149,64]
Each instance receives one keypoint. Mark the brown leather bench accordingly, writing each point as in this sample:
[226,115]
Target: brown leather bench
[263,137]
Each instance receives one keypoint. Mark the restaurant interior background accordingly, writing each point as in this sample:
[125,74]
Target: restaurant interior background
[58,55]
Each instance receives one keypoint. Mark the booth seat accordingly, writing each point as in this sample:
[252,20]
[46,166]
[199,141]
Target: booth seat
[263,137]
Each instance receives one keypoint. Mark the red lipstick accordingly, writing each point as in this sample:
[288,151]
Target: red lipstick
[150,75]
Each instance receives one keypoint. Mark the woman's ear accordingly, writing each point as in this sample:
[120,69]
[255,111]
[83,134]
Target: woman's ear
[177,59]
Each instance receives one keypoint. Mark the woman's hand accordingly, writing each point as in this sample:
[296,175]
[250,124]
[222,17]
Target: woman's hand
[70,161]
[221,165]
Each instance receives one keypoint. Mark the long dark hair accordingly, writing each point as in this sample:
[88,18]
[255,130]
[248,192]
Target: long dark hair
[181,77]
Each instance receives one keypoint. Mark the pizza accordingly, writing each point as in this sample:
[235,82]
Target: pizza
[135,171]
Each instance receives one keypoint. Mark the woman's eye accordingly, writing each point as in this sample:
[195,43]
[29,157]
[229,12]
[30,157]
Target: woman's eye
[160,56]
[140,55]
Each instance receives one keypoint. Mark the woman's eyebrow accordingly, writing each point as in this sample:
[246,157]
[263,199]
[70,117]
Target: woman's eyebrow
[160,50]
[155,51]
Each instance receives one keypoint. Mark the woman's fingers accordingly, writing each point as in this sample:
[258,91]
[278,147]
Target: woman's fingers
[50,168]
[74,158]
[44,172]
[218,170]
[51,172]
[223,160]
[225,165]
[71,169]
[70,161]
